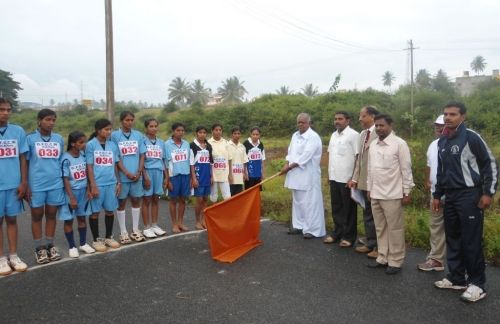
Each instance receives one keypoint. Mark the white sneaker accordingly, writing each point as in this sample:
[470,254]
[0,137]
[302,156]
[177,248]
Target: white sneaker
[157,230]
[73,253]
[87,249]
[473,294]
[446,284]
[149,233]
[17,264]
[99,245]
[5,268]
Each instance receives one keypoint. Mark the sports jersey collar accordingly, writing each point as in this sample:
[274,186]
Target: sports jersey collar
[199,144]
[459,130]
[2,132]
[43,137]
[254,145]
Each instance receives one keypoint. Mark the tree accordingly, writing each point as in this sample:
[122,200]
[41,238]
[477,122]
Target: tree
[309,90]
[283,91]
[388,78]
[423,79]
[442,83]
[335,84]
[478,64]
[232,90]
[199,93]
[9,87]
[179,91]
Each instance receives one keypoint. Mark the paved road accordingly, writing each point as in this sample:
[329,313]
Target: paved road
[287,279]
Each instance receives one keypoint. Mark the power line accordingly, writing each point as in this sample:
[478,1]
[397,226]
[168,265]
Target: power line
[298,25]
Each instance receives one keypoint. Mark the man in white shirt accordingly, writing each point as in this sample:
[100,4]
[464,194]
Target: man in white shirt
[342,151]
[303,177]
[436,257]
[389,183]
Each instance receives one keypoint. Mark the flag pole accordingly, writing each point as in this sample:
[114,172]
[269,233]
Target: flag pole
[268,179]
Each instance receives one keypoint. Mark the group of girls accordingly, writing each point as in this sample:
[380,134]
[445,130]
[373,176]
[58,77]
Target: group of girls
[116,166]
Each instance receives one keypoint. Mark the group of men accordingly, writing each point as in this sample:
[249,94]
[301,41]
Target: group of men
[374,169]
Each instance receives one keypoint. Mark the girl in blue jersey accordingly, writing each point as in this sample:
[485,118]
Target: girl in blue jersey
[153,179]
[180,178]
[256,158]
[46,189]
[74,171]
[102,172]
[131,146]
[201,167]
[13,185]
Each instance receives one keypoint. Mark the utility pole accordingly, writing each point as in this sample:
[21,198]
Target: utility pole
[81,91]
[412,86]
[110,83]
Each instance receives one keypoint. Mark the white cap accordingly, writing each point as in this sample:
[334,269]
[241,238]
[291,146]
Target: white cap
[440,120]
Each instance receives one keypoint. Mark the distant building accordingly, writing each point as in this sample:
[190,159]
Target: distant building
[466,84]
[214,100]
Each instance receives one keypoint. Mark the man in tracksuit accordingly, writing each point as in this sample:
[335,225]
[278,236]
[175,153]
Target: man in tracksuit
[467,177]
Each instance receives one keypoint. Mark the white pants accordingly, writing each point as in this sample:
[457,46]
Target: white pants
[224,190]
[308,214]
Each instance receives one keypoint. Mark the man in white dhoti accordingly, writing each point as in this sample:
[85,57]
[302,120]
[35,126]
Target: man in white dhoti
[303,177]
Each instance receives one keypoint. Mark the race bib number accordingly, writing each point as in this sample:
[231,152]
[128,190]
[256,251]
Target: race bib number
[220,163]
[237,168]
[8,149]
[254,154]
[47,150]
[78,171]
[103,158]
[203,156]
[128,147]
[154,151]
[179,155]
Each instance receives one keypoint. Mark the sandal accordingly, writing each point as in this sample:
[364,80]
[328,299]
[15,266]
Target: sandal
[137,236]
[345,244]
[125,239]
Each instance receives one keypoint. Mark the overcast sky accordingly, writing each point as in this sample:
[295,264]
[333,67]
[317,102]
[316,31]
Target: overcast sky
[54,46]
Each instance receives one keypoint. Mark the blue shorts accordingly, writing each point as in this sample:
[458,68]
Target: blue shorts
[9,204]
[66,213]
[156,177]
[131,189]
[106,200]
[181,184]
[202,191]
[51,197]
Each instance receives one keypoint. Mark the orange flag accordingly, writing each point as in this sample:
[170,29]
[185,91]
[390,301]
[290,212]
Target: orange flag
[233,225]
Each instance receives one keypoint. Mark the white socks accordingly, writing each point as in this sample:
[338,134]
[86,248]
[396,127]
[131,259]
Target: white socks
[120,214]
[136,215]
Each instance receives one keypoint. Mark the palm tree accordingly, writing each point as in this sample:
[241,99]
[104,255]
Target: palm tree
[283,91]
[423,79]
[199,93]
[309,90]
[477,65]
[232,90]
[179,91]
[388,77]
